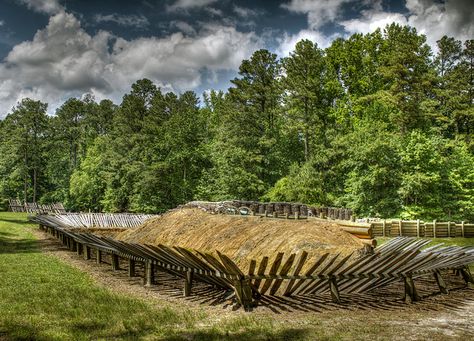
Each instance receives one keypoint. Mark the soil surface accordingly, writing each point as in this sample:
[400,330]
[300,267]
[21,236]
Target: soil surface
[436,316]
[244,237]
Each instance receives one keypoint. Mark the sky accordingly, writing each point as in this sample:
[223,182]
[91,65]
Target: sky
[51,50]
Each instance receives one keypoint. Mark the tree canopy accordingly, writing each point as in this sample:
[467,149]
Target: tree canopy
[379,123]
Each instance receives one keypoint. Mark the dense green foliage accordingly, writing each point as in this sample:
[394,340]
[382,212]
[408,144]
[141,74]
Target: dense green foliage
[377,122]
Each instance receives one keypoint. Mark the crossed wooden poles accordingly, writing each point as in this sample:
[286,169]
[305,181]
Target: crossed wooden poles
[401,258]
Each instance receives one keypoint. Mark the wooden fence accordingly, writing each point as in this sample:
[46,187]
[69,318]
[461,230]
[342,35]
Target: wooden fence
[401,258]
[417,228]
[16,205]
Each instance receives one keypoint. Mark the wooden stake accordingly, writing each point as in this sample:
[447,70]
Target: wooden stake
[434,228]
[188,282]
[149,274]
[131,267]
[115,262]
[79,248]
[462,229]
[98,256]
[441,284]
[467,276]
[334,290]
[418,228]
[411,295]
[87,252]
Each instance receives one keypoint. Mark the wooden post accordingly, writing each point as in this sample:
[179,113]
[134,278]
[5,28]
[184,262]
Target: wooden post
[115,262]
[297,215]
[275,214]
[400,228]
[149,274]
[79,248]
[383,227]
[467,276]
[73,245]
[462,229]
[131,267]
[266,213]
[418,228]
[87,252]
[334,290]
[243,293]
[449,229]
[411,295]
[434,228]
[98,256]
[441,284]
[188,282]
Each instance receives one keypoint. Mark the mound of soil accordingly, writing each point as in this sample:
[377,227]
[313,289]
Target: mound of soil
[243,237]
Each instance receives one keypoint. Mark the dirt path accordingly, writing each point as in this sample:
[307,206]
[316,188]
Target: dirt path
[436,316]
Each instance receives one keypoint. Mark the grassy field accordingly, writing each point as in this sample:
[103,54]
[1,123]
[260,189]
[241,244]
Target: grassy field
[43,298]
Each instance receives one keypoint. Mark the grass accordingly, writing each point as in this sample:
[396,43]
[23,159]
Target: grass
[44,298]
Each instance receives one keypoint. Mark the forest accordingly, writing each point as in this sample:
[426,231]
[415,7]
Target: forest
[380,123]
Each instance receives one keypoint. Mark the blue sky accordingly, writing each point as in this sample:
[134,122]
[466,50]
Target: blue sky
[55,49]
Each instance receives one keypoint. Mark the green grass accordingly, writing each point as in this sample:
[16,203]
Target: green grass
[42,298]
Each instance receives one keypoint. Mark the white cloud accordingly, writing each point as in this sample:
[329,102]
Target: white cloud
[453,17]
[133,20]
[288,42]
[2,22]
[319,12]
[63,60]
[43,6]
[183,27]
[188,4]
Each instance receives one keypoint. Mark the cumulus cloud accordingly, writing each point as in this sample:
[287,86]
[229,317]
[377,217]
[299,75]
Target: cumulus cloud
[319,12]
[183,27]
[453,17]
[138,21]
[288,41]
[188,4]
[246,12]
[43,6]
[63,60]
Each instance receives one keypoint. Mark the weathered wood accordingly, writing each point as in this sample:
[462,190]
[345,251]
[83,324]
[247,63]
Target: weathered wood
[411,294]
[434,228]
[149,274]
[334,290]
[284,270]
[98,255]
[299,266]
[440,281]
[273,271]
[467,276]
[418,228]
[79,249]
[131,267]
[261,271]
[115,262]
[87,252]
[188,282]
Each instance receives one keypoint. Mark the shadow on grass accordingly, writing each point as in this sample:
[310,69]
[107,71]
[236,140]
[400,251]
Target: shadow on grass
[16,221]
[13,245]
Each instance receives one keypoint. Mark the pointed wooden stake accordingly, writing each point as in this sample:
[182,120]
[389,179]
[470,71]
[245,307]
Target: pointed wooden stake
[334,290]
[411,295]
[441,284]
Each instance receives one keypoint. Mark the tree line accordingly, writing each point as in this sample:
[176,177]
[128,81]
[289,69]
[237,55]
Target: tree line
[378,122]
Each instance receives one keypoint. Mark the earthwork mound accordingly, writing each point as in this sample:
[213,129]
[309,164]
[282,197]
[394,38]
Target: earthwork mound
[243,238]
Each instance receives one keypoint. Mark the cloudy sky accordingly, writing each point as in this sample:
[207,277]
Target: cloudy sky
[55,49]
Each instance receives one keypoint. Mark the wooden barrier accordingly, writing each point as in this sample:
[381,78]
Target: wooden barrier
[400,258]
[417,228]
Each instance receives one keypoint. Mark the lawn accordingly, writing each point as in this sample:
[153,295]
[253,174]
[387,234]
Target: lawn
[45,298]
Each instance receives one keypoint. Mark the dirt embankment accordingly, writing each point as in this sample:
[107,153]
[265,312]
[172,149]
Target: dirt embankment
[243,238]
